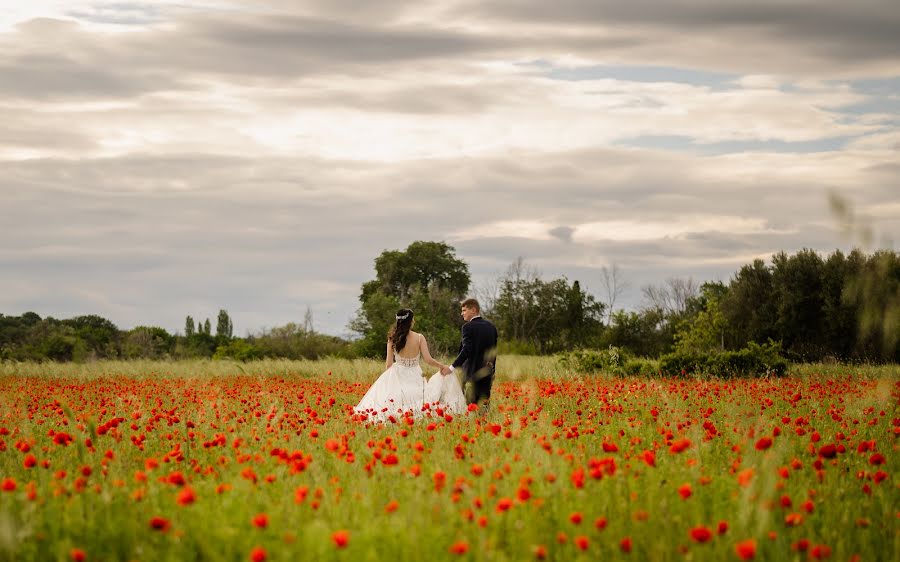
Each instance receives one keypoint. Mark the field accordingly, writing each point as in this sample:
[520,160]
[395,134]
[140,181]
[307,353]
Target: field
[263,461]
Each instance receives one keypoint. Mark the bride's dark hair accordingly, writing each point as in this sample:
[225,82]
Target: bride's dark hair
[400,329]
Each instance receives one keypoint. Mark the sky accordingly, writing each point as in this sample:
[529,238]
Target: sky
[171,158]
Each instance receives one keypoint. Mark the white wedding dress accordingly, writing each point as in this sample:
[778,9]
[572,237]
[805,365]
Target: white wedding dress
[402,389]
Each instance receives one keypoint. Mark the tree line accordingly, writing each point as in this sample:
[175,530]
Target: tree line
[814,308]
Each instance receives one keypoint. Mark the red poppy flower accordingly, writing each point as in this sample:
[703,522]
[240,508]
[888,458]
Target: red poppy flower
[828,451]
[340,538]
[820,552]
[746,550]
[459,547]
[700,534]
[258,554]
[600,523]
[261,521]
[9,485]
[722,528]
[581,542]
[77,555]
[186,496]
[625,544]
[685,491]
[391,506]
[575,518]
[540,552]
[159,524]
[763,444]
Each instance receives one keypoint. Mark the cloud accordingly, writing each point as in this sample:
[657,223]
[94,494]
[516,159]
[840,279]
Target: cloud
[162,160]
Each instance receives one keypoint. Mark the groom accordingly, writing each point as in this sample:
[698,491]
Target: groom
[477,354]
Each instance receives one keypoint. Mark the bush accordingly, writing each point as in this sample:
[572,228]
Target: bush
[609,360]
[753,360]
[634,367]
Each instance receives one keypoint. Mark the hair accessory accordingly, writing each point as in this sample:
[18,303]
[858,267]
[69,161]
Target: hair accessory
[403,317]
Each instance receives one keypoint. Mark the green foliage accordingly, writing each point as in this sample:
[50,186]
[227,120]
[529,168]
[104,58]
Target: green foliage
[643,334]
[429,279]
[239,350]
[550,315]
[224,327]
[754,360]
[148,342]
[640,367]
[704,332]
[609,360]
[293,341]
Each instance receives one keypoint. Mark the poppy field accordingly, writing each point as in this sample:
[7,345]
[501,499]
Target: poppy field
[275,466]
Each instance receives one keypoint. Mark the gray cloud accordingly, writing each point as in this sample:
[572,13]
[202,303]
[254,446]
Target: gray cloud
[189,164]
[156,254]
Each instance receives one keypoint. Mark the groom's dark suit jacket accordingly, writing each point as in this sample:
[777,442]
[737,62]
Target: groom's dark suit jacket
[478,350]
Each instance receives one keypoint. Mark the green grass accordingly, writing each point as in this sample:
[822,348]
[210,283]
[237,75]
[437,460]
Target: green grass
[260,406]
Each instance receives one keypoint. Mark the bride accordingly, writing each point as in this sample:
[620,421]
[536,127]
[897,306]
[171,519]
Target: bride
[401,388]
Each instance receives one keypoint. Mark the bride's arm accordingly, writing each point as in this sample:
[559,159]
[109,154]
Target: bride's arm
[390,357]
[426,355]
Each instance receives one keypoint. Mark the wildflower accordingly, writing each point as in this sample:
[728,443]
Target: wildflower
[9,485]
[540,552]
[459,547]
[340,538]
[391,506]
[581,542]
[700,534]
[685,491]
[186,496]
[763,444]
[575,518]
[77,555]
[258,554]
[746,550]
[260,521]
[159,524]
[625,544]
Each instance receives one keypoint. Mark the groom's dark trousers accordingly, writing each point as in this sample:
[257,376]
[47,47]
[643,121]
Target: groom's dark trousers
[477,357]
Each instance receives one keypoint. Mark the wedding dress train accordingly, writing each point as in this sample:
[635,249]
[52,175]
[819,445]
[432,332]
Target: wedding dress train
[401,389]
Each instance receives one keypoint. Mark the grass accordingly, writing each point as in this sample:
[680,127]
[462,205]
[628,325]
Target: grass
[275,438]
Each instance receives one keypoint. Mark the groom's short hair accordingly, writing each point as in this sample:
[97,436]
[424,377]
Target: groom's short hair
[471,303]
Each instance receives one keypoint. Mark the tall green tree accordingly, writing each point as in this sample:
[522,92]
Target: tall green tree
[189,329]
[224,327]
[426,277]
[549,316]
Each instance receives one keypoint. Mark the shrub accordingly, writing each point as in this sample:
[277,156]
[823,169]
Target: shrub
[753,360]
[610,360]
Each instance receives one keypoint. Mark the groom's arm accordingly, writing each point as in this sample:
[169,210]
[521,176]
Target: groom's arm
[468,334]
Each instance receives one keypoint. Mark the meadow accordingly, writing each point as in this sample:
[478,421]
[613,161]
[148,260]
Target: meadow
[217,460]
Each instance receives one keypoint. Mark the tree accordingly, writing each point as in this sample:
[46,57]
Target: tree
[549,316]
[207,327]
[224,327]
[426,277]
[614,286]
[749,306]
[797,283]
[189,329]
[671,298]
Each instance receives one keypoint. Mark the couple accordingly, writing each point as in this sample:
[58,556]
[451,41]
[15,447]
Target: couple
[401,387]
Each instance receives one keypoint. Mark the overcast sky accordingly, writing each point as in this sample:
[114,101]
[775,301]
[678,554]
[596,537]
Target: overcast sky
[168,158]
